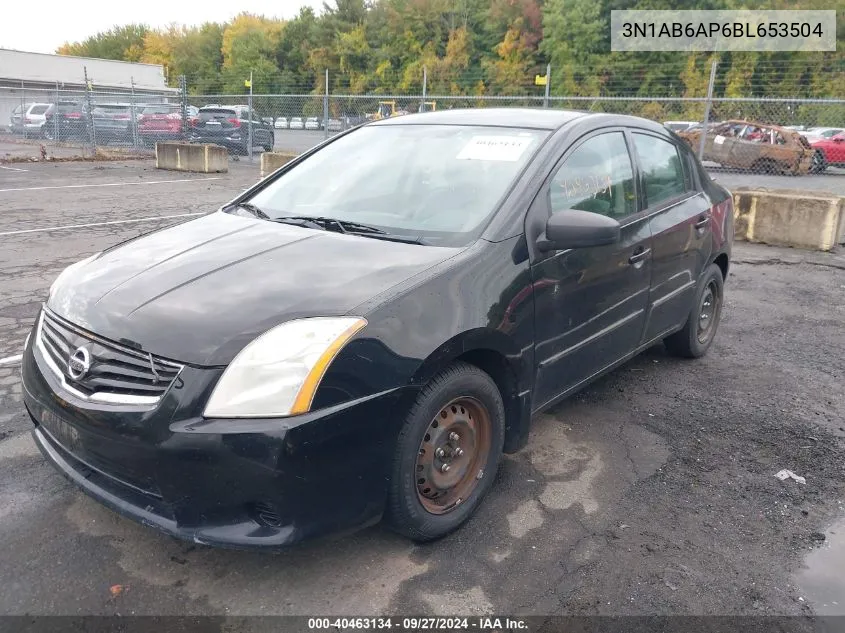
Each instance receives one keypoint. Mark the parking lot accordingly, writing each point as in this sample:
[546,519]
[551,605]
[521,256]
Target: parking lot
[651,492]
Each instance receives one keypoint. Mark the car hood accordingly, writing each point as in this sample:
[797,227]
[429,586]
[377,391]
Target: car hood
[199,291]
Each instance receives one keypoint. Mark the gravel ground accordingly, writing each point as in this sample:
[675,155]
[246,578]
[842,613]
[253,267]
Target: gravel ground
[651,492]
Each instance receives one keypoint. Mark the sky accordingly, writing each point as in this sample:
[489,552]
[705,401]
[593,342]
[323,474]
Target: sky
[42,26]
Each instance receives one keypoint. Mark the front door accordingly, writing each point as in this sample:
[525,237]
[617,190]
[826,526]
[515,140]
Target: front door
[591,310]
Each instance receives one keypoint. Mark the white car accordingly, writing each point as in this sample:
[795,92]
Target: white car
[312,123]
[296,123]
[335,125]
[34,115]
[821,133]
[281,123]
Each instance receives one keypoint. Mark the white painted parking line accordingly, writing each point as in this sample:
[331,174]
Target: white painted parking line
[111,184]
[12,168]
[10,360]
[84,226]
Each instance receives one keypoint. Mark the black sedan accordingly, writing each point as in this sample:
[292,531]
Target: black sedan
[365,332]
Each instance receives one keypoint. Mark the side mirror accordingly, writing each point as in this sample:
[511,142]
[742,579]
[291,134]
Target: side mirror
[578,229]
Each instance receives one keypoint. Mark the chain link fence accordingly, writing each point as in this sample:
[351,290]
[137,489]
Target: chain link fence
[761,135]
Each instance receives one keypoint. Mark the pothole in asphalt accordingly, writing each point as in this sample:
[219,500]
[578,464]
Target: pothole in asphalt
[822,580]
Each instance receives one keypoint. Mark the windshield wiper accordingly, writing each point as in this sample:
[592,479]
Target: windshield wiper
[332,224]
[346,227]
[253,209]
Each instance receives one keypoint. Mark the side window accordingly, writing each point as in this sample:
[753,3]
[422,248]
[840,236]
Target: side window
[596,177]
[662,168]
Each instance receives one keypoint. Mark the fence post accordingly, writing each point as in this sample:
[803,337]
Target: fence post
[548,85]
[707,110]
[89,115]
[249,136]
[133,118]
[423,107]
[183,104]
[326,108]
[56,138]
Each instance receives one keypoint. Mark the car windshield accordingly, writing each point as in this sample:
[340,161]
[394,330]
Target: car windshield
[435,182]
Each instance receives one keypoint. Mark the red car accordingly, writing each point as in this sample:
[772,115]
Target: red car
[163,122]
[830,152]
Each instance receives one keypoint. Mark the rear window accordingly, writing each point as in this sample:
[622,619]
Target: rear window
[39,109]
[70,107]
[161,109]
[212,114]
[105,107]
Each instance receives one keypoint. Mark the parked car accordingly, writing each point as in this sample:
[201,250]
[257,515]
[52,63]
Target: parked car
[68,119]
[312,123]
[28,118]
[296,123]
[294,342]
[830,152]
[335,125]
[229,126]
[757,147]
[163,121]
[815,133]
[113,121]
[678,126]
[281,123]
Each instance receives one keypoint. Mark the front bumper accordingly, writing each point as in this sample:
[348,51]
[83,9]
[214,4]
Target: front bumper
[232,483]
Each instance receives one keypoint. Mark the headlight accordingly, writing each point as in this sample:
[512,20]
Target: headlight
[68,270]
[278,373]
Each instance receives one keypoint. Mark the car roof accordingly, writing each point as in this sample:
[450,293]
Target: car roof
[532,118]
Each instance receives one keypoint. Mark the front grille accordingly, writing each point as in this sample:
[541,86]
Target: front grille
[115,373]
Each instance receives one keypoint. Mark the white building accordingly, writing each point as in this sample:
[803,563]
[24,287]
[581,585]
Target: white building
[42,78]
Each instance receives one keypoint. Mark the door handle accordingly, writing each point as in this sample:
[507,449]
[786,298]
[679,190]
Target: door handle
[702,222]
[639,256]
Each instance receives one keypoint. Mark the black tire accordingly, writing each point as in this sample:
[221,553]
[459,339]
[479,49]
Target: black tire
[819,163]
[405,512]
[693,341]
[271,144]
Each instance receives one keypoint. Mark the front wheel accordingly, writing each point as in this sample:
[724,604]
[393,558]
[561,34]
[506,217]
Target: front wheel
[447,453]
[697,335]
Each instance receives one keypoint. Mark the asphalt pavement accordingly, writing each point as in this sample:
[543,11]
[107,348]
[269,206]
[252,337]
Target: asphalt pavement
[651,492]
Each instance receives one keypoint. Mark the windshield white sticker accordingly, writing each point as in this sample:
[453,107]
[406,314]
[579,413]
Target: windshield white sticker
[506,148]
[719,139]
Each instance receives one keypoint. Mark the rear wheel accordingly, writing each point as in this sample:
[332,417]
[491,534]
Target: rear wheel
[697,335]
[447,453]
[819,163]
[269,146]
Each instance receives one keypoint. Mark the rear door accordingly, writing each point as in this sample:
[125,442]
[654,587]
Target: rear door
[591,309]
[680,222]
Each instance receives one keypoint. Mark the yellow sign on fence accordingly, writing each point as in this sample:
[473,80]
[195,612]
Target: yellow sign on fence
[539,80]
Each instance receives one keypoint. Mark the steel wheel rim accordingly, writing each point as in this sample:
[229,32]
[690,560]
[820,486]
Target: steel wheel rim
[458,437]
[708,311]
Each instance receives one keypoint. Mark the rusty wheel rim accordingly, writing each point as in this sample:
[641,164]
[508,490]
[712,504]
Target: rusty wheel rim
[452,455]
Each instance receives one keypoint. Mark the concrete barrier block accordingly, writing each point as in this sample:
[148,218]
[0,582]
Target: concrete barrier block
[803,219]
[205,158]
[271,161]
